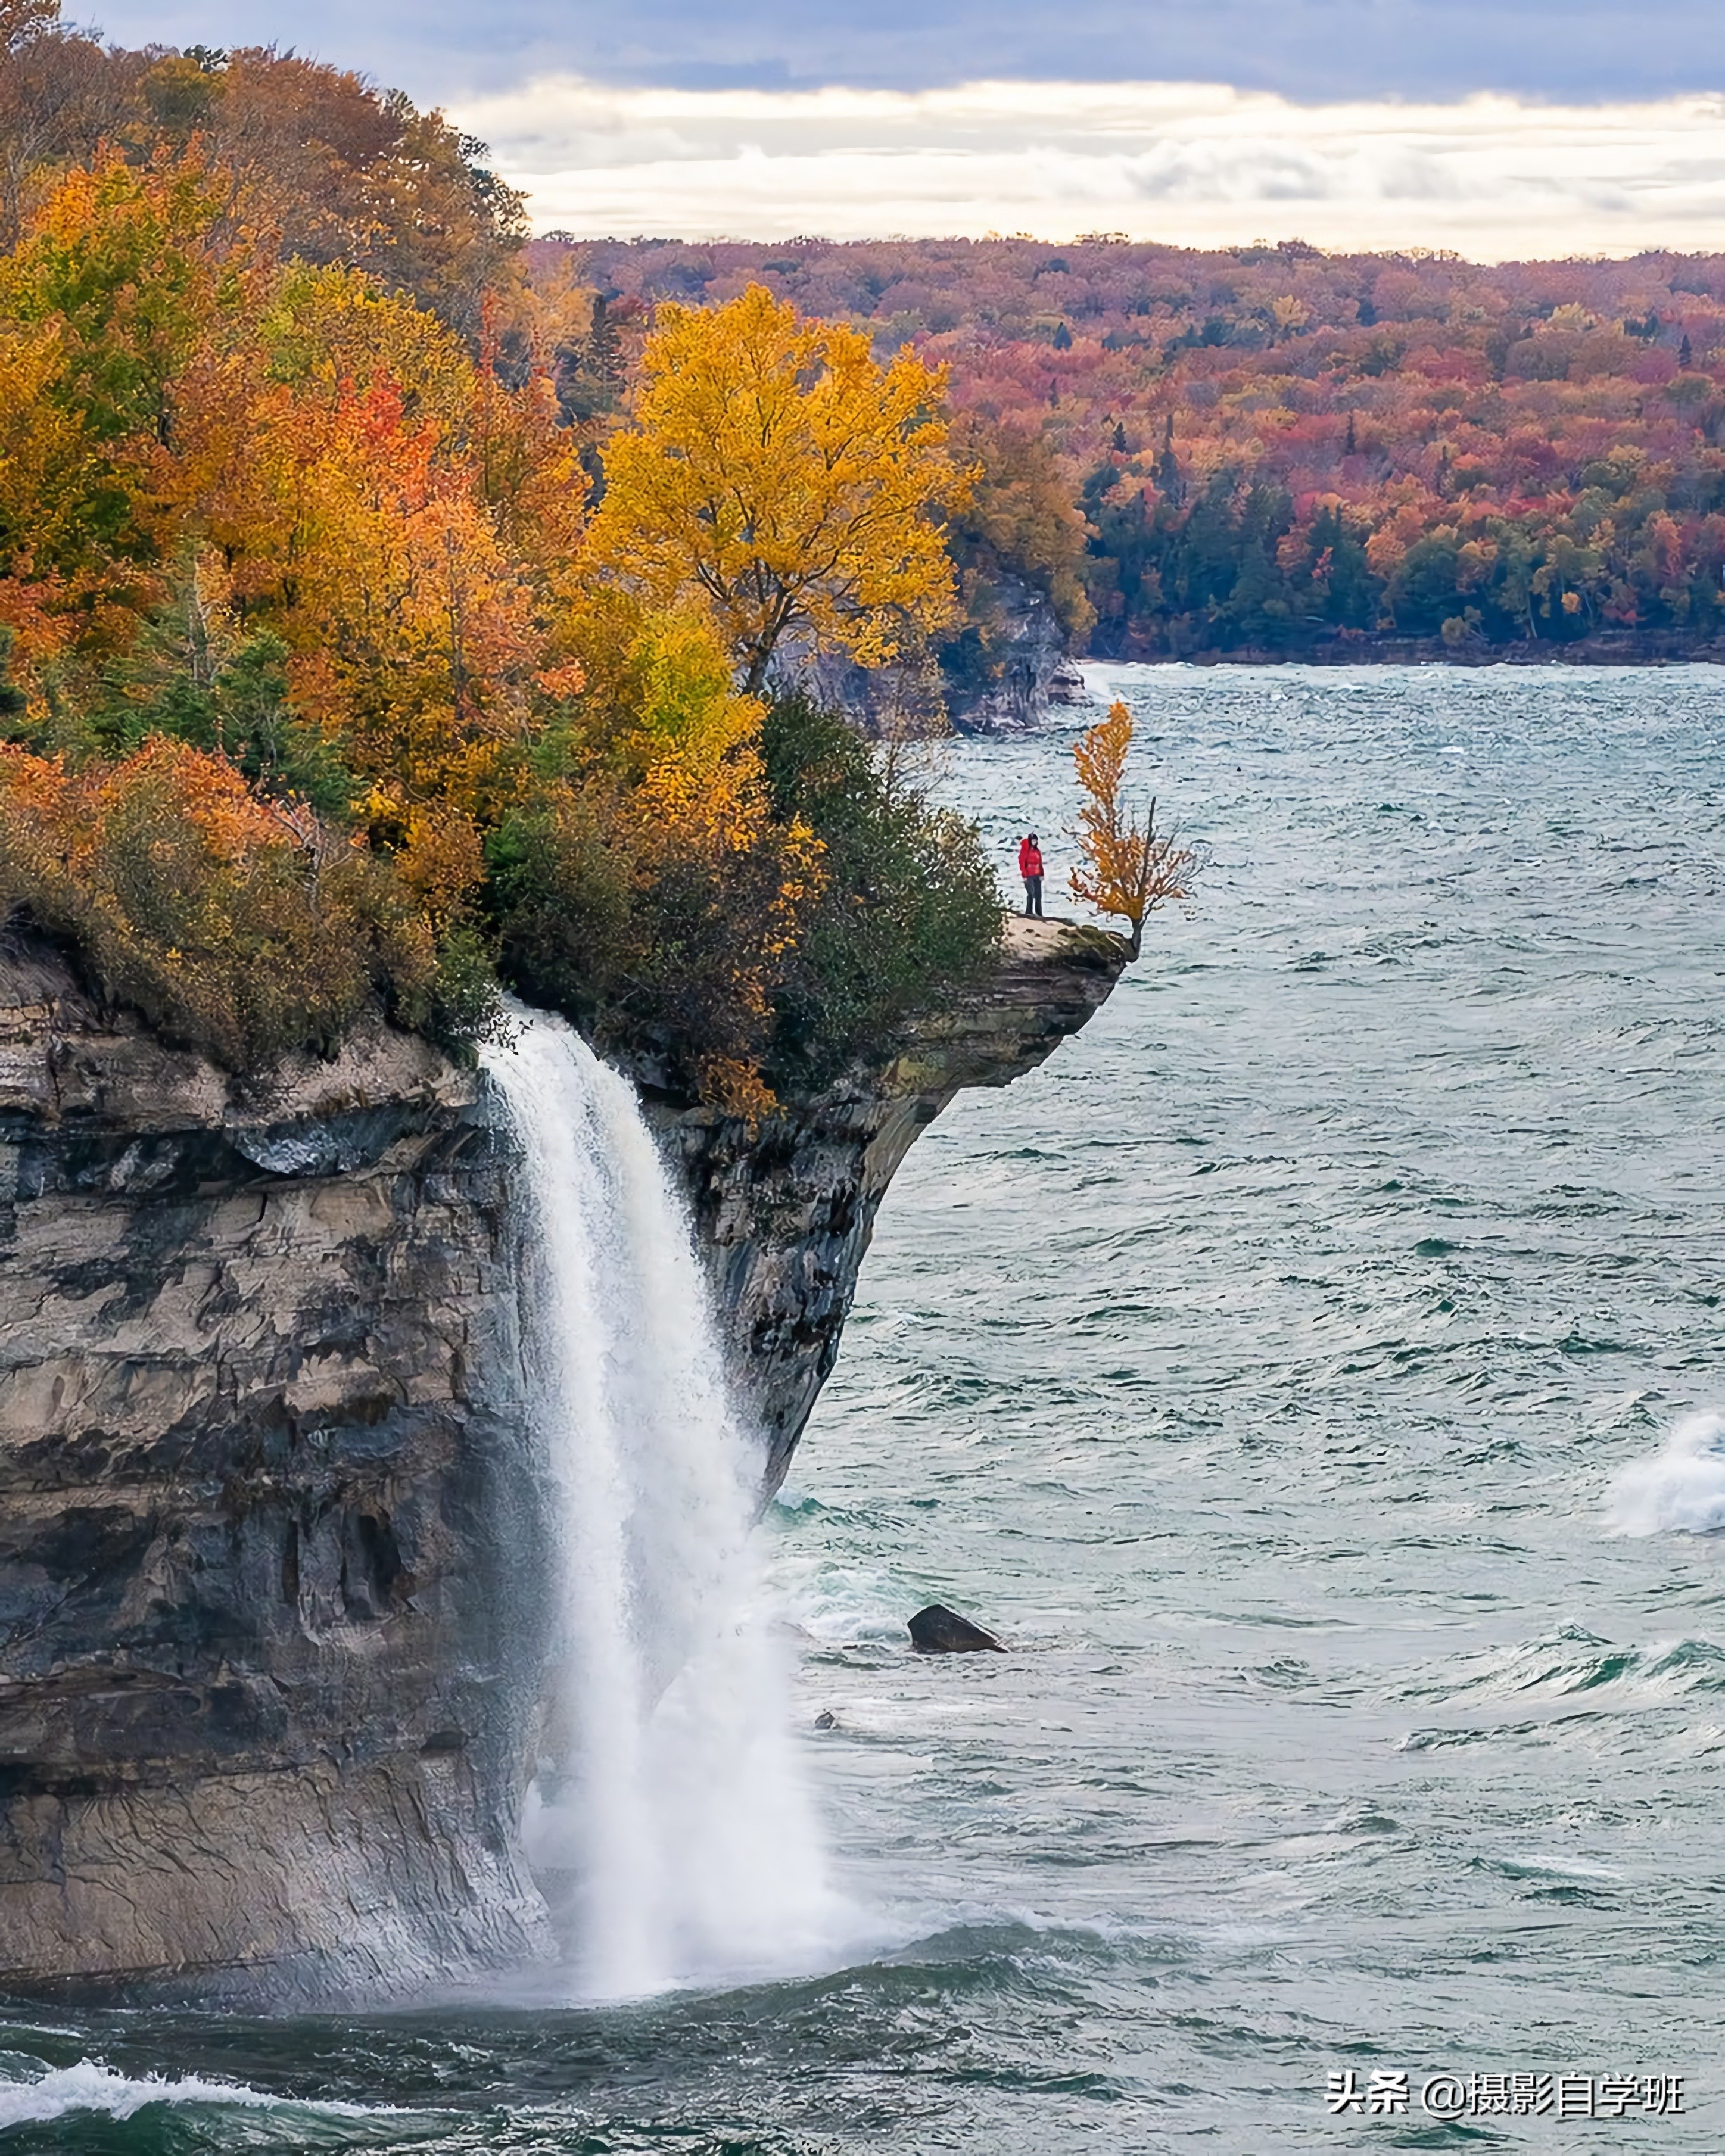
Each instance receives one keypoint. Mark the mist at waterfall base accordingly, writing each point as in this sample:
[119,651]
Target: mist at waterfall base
[1309,1372]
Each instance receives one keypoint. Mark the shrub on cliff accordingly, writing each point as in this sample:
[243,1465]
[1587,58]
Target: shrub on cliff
[731,891]
[909,910]
[241,928]
[643,881]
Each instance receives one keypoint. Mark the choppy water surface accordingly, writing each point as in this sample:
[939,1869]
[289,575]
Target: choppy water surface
[1261,1368]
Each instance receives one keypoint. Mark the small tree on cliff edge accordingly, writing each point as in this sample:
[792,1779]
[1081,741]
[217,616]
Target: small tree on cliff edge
[776,472]
[1127,868]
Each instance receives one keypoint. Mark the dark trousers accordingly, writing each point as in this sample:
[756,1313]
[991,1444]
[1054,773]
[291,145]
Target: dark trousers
[1033,897]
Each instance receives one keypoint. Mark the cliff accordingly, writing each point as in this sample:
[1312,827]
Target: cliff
[1005,671]
[1011,670]
[257,1453]
[785,1212]
[267,1518]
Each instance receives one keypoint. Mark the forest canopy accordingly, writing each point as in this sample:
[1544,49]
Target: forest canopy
[321,685]
[1277,451]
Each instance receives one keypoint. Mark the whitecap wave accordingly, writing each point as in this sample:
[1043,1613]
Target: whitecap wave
[845,1605]
[90,2086]
[1680,1490]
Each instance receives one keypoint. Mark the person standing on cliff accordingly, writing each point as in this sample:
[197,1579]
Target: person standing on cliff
[1030,869]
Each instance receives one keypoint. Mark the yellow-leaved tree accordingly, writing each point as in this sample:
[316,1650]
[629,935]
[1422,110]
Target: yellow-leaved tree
[1128,868]
[776,471]
[648,884]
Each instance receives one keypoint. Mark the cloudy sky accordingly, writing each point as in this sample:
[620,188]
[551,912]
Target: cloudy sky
[1522,126]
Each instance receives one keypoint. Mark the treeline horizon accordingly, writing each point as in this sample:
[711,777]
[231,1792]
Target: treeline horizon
[1276,450]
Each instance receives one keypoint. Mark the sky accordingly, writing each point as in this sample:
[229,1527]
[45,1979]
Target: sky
[1516,128]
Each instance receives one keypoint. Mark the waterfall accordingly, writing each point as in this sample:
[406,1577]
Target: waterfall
[669,1824]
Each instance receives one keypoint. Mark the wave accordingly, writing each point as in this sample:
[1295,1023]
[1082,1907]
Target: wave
[840,1605]
[89,2085]
[1571,1660]
[1680,1490]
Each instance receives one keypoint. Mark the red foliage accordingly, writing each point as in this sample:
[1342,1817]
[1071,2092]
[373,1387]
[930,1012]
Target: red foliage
[1207,409]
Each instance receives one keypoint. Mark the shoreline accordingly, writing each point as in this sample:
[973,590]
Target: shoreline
[1641,653]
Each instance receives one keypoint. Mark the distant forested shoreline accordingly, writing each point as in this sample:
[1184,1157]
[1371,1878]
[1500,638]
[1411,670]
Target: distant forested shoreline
[1274,452]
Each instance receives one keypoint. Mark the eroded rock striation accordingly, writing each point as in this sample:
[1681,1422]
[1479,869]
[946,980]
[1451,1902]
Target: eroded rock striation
[259,1480]
[1028,673]
[785,1212]
[269,1516]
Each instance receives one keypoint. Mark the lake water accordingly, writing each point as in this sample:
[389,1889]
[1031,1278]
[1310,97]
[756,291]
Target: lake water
[1260,1369]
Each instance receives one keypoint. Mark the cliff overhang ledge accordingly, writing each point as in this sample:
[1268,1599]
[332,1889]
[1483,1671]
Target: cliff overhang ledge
[785,1211]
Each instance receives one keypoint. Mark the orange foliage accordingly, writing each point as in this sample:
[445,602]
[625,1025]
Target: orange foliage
[234,927]
[1128,868]
[776,471]
[1236,425]
[293,586]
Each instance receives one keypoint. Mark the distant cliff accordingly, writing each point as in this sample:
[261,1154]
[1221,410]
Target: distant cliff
[1004,673]
[268,1522]
[1012,680]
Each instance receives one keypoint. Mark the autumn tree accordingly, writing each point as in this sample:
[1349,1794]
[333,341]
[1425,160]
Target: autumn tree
[58,92]
[653,888]
[313,701]
[116,285]
[1129,868]
[337,168]
[358,175]
[776,471]
[1018,529]
[1261,438]
[237,925]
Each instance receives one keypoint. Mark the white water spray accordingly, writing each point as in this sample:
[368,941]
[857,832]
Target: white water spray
[670,1825]
[1680,1490]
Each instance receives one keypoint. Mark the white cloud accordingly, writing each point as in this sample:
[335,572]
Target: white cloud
[1194,164]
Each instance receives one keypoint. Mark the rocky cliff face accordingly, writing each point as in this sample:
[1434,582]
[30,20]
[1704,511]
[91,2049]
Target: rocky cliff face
[268,1515]
[785,1213]
[1004,671]
[1024,673]
[260,1475]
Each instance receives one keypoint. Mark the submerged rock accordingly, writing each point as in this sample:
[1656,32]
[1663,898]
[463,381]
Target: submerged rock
[938,1630]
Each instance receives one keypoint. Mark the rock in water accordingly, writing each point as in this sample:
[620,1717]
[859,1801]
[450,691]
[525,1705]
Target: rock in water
[938,1630]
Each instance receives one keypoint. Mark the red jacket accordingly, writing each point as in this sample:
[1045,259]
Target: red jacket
[1030,859]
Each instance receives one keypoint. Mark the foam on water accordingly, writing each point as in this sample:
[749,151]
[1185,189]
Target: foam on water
[671,1823]
[89,2085]
[1680,1490]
